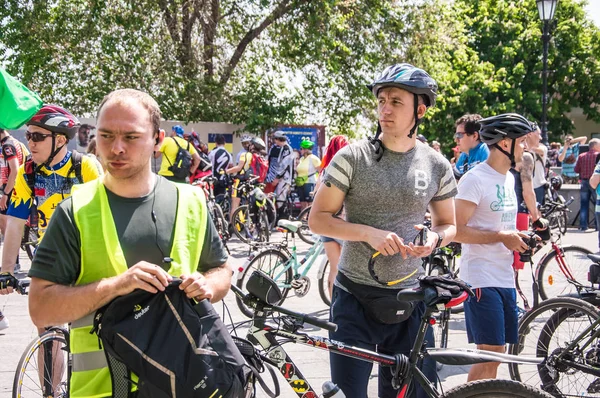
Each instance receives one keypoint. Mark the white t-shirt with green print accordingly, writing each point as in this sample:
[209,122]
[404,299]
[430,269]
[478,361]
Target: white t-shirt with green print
[488,265]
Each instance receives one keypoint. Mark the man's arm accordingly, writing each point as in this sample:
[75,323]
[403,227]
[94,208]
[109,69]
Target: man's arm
[54,304]
[195,163]
[443,219]
[527,165]
[328,201]
[579,140]
[578,164]
[594,180]
[213,284]
[10,183]
[464,234]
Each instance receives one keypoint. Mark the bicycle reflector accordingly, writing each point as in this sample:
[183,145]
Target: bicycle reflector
[376,278]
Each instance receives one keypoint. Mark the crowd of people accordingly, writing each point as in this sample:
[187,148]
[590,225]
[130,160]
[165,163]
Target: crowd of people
[109,225]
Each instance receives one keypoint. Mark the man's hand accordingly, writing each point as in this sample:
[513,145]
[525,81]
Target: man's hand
[3,202]
[387,243]
[145,276]
[195,287]
[540,224]
[7,282]
[425,250]
[513,240]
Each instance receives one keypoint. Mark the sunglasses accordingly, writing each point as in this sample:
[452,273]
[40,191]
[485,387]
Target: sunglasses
[36,137]
[458,136]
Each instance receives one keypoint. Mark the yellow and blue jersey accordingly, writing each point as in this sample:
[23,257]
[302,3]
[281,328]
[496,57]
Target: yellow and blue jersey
[52,185]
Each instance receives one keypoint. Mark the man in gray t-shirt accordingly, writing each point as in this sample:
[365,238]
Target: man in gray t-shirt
[386,185]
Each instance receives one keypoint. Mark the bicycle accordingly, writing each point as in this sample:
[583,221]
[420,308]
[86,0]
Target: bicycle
[30,238]
[268,339]
[556,212]
[33,376]
[250,221]
[283,266]
[206,183]
[565,332]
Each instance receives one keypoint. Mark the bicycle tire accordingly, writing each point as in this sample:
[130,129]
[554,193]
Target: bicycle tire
[563,222]
[244,229]
[271,213]
[260,262]
[324,284]
[29,241]
[552,281]
[304,231]
[533,329]
[220,222]
[492,388]
[27,376]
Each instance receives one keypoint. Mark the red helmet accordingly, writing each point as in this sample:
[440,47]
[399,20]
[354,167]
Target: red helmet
[56,119]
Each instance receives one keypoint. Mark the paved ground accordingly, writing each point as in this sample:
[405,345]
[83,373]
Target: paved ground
[313,363]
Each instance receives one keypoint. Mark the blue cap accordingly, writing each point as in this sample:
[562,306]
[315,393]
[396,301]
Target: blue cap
[178,130]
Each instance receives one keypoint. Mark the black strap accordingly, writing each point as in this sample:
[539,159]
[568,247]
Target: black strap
[180,147]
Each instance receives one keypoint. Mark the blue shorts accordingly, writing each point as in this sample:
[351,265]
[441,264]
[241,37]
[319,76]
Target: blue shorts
[326,239]
[304,192]
[491,316]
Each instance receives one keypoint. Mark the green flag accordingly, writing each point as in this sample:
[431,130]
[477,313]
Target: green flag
[17,103]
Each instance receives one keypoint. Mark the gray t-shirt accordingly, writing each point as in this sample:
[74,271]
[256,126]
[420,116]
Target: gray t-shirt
[392,195]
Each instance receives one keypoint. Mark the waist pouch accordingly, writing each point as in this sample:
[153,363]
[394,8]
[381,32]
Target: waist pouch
[380,304]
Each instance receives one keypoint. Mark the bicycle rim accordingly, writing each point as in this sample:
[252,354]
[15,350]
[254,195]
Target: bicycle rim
[304,232]
[324,284]
[553,271]
[33,376]
[545,332]
[273,263]
[495,389]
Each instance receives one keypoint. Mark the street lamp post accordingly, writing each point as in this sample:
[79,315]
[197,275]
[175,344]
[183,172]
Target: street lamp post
[546,10]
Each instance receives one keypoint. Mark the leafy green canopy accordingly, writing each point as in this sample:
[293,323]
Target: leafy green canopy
[262,62]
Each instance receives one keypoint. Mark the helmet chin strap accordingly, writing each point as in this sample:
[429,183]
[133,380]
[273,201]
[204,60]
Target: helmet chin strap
[510,155]
[53,153]
[417,120]
[376,142]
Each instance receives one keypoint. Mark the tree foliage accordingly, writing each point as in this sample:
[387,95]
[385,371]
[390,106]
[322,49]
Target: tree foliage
[264,62]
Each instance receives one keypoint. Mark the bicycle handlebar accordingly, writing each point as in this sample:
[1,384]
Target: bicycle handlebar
[22,286]
[304,318]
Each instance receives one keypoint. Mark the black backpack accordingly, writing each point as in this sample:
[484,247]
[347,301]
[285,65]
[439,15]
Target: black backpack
[183,162]
[175,346]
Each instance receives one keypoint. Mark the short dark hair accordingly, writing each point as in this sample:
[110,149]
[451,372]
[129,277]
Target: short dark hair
[220,139]
[471,122]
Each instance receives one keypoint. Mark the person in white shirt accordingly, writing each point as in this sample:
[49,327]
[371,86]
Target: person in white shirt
[486,213]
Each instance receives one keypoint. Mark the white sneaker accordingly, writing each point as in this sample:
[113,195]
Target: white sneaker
[3,322]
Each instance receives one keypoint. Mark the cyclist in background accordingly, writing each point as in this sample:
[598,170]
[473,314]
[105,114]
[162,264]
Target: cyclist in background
[307,171]
[284,173]
[51,173]
[257,146]
[540,155]
[221,160]
[385,185]
[169,149]
[13,155]
[277,156]
[473,151]
[245,141]
[486,213]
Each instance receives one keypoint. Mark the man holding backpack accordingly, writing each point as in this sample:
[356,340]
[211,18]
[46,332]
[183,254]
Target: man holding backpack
[130,230]
[179,158]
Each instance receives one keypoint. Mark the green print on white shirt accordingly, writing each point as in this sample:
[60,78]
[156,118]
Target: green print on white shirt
[505,200]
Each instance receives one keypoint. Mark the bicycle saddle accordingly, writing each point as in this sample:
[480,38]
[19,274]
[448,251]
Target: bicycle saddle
[292,226]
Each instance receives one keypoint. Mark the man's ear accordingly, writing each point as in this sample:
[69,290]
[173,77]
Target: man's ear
[421,109]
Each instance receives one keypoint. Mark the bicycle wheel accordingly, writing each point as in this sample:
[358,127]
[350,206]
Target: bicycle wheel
[220,223]
[495,389]
[248,231]
[324,282]
[29,241]
[304,232]
[563,221]
[274,263]
[551,278]
[546,331]
[34,377]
